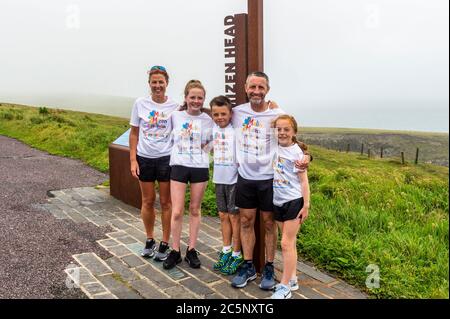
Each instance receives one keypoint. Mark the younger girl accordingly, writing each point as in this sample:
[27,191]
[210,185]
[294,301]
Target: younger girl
[290,198]
[192,129]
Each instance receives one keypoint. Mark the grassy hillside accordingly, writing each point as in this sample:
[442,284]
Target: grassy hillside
[433,147]
[73,134]
[364,211]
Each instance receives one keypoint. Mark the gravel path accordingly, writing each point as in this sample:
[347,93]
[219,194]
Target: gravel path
[35,248]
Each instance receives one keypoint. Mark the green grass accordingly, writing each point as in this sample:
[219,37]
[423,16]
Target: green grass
[364,211]
[77,135]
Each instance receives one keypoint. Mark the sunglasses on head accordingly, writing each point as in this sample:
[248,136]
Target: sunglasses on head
[159,68]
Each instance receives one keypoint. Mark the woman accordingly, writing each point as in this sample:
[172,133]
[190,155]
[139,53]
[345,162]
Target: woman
[150,149]
[192,130]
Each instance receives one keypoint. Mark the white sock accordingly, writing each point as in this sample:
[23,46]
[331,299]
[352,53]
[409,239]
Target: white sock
[226,249]
[236,253]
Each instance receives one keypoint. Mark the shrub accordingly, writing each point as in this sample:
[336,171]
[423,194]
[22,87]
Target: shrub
[36,120]
[43,111]
[60,119]
[6,116]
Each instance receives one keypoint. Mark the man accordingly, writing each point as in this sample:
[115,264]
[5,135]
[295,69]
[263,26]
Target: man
[255,147]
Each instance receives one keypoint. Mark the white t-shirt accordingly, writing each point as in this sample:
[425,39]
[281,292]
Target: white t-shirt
[155,126]
[190,134]
[225,166]
[286,183]
[256,141]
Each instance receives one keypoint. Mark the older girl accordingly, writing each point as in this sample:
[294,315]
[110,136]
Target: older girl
[192,129]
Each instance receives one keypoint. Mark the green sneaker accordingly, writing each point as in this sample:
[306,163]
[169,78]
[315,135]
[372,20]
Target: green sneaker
[233,264]
[223,260]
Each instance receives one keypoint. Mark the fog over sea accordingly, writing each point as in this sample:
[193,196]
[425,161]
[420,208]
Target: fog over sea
[429,116]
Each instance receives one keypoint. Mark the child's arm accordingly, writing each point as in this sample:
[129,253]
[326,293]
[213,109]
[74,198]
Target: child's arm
[304,212]
[208,142]
[208,147]
[304,163]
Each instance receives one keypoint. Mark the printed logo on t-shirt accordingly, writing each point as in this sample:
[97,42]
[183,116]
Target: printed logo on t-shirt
[190,142]
[157,124]
[253,137]
[223,148]
[157,120]
[250,123]
[280,165]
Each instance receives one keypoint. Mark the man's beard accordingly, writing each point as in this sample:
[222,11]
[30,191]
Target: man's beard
[256,100]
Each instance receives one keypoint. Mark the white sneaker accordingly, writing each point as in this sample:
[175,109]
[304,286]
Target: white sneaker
[293,284]
[281,292]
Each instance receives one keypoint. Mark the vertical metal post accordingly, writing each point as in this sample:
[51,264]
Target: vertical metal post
[255,53]
[256,36]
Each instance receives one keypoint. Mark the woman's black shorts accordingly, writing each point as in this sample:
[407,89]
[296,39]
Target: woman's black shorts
[154,169]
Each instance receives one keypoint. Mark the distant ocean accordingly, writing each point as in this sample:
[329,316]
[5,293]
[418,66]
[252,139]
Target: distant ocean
[415,118]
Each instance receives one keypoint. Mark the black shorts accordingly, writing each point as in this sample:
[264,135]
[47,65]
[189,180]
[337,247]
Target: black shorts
[191,175]
[288,211]
[154,169]
[254,194]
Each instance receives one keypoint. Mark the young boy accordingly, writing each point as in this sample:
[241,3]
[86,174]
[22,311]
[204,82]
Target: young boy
[225,178]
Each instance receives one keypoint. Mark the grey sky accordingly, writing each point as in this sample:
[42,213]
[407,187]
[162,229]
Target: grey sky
[331,62]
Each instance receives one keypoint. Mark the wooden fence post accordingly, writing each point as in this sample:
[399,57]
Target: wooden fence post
[417,156]
[348,148]
[403,158]
[362,148]
[381,153]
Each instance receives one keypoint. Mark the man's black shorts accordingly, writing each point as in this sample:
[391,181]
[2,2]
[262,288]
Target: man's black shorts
[154,169]
[254,194]
[288,211]
[187,175]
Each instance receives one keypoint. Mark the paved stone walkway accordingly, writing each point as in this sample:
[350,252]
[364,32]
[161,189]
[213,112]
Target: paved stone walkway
[127,275]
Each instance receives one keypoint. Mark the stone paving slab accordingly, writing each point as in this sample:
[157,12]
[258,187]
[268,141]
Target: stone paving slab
[128,275]
[94,288]
[119,267]
[148,291]
[118,288]
[155,276]
[93,263]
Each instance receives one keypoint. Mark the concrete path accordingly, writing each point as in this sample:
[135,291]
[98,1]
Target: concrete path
[35,248]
